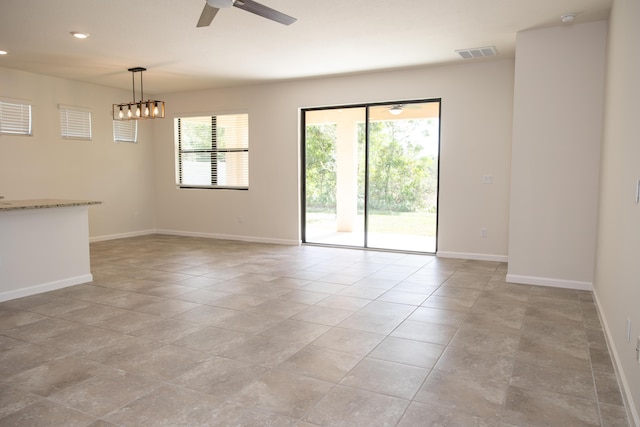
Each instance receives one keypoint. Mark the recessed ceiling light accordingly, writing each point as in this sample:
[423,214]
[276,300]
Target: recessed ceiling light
[568,18]
[3,52]
[79,35]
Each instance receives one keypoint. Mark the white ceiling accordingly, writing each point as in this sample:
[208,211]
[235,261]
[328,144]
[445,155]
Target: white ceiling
[331,37]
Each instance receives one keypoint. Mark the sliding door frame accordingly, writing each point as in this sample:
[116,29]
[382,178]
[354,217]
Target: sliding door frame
[367,107]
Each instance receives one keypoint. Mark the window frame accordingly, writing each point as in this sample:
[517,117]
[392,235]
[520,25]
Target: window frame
[73,123]
[214,151]
[120,134]
[16,124]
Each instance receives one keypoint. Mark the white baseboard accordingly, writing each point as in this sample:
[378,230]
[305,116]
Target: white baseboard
[230,237]
[478,257]
[546,281]
[632,411]
[121,235]
[196,234]
[45,287]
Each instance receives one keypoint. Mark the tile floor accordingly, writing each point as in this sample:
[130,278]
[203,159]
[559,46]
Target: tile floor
[181,331]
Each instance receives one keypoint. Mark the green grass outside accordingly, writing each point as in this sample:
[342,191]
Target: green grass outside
[415,223]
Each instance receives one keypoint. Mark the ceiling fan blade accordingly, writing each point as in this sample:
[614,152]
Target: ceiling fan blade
[264,11]
[208,13]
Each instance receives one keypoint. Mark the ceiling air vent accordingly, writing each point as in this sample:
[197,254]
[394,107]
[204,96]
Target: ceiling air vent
[477,52]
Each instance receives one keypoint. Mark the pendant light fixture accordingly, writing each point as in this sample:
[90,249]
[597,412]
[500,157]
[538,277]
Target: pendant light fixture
[137,110]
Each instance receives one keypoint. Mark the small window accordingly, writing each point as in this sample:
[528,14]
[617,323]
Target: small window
[75,122]
[15,118]
[212,151]
[125,131]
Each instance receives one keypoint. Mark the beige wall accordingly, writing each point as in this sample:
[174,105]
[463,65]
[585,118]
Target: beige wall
[617,276]
[558,104]
[476,131]
[47,166]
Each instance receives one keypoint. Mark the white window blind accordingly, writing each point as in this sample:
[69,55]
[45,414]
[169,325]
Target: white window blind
[15,118]
[213,151]
[125,131]
[75,122]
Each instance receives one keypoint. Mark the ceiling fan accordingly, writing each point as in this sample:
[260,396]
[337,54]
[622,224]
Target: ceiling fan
[396,109]
[212,7]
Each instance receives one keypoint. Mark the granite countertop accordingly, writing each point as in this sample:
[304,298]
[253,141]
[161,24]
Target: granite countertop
[10,205]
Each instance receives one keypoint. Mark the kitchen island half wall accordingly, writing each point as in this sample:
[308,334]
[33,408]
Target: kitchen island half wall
[44,245]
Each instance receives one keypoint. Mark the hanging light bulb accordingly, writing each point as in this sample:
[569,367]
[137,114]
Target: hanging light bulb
[155,108]
[146,109]
[120,114]
[138,110]
[129,113]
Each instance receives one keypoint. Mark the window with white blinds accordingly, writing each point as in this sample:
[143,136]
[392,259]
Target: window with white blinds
[125,131]
[75,122]
[15,118]
[212,151]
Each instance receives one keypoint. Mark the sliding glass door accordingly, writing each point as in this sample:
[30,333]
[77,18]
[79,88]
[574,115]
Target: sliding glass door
[334,151]
[370,175]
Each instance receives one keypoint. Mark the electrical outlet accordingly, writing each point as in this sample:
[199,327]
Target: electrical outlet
[483,232]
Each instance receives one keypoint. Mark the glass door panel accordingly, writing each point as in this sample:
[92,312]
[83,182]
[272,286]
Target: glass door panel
[334,176]
[403,176]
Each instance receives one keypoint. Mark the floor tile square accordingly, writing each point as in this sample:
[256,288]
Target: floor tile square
[206,315]
[13,400]
[347,407]
[284,393]
[408,352]
[220,377]
[362,291]
[212,340]
[461,362]
[477,397]
[537,408]
[249,322]
[322,315]
[390,378]
[101,394]
[168,406]
[344,302]
[373,323]
[497,340]
[349,341]
[295,330]
[45,413]
[388,309]
[166,330]
[263,351]
[164,363]
[320,363]
[55,375]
